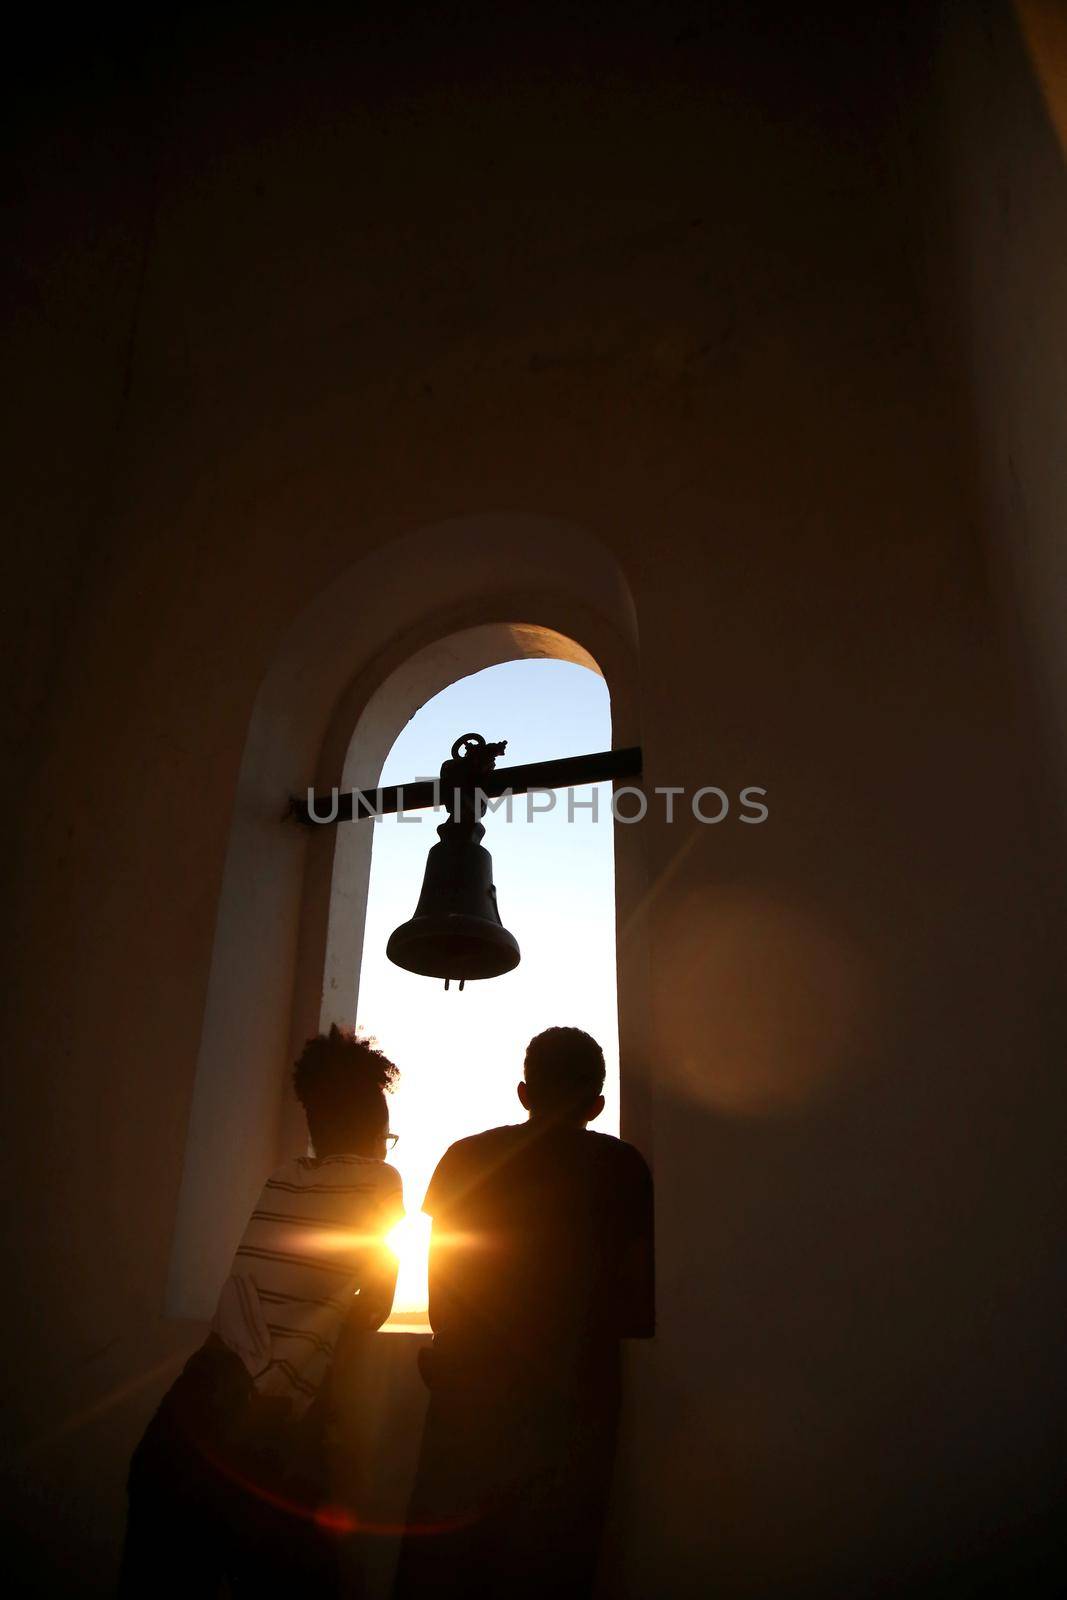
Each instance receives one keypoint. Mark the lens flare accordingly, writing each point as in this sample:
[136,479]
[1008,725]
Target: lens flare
[409,1241]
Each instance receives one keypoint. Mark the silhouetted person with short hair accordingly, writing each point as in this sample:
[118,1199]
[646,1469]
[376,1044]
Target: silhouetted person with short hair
[540,1262]
[230,1478]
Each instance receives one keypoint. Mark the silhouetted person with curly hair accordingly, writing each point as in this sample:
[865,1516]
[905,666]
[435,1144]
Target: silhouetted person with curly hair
[229,1480]
[540,1263]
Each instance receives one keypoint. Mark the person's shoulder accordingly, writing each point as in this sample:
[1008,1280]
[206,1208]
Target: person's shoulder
[616,1153]
[334,1172]
[476,1146]
[360,1181]
[468,1158]
[291,1173]
[388,1177]
[614,1147]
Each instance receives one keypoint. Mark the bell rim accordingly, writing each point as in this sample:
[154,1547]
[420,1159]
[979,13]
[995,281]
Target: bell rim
[502,941]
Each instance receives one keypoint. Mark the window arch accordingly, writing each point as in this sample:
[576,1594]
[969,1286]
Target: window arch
[408,618]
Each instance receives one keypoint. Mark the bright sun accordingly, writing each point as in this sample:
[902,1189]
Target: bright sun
[410,1242]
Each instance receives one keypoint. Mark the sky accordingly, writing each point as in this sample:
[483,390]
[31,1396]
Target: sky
[460,1054]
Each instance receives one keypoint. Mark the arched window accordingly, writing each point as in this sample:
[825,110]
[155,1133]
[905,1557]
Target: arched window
[460,1054]
[411,617]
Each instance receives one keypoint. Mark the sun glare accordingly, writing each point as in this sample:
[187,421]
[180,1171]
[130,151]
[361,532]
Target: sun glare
[409,1241]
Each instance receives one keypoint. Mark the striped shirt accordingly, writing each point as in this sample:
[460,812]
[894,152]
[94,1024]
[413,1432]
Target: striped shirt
[302,1258]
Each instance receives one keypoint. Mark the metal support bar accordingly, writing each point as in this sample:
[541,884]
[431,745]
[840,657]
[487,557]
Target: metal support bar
[355,805]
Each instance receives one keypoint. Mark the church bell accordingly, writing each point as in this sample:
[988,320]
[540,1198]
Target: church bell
[456,931]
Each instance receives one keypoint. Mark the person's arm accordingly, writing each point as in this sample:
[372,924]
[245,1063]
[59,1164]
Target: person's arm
[439,1195]
[438,1204]
[377,1286]
[374,1301]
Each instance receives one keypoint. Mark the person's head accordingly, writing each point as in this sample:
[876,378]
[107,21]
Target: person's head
[563,1077]
[341,1081]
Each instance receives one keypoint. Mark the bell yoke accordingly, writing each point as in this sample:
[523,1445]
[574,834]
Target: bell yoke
[456,931]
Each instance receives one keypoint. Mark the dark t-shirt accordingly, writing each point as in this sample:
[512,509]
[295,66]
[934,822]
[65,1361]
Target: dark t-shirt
[542,1248]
